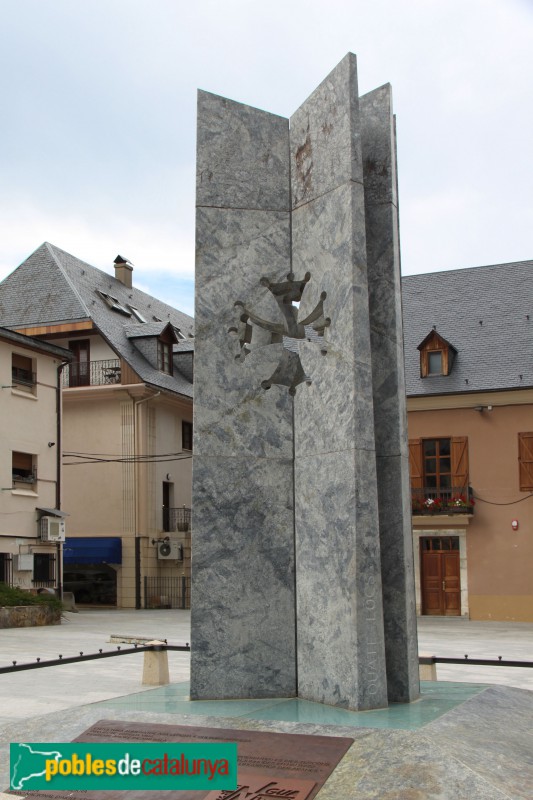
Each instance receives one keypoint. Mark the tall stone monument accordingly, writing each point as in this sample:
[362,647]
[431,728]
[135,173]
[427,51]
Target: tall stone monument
[302,557]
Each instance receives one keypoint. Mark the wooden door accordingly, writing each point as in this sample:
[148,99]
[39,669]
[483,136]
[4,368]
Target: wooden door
[440,576]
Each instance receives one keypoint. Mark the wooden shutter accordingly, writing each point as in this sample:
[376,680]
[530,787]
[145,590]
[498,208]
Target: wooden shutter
[525,461]
[460,464]
[416,464]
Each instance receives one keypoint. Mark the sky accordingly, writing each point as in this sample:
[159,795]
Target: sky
[98,119]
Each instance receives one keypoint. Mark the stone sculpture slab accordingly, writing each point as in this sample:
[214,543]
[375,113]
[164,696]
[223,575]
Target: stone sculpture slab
[302,579]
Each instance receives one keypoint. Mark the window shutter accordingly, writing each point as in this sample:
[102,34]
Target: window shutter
[460,464]
[525,461]
[416,464]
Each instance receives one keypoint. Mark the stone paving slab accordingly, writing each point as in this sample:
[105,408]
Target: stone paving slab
[459,757]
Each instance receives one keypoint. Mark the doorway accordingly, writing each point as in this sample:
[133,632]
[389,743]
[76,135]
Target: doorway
[440,576]
[79,370]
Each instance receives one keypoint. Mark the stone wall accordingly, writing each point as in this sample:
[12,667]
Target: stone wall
[29,616]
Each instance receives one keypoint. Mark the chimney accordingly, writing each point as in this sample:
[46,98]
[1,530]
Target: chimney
[123,270]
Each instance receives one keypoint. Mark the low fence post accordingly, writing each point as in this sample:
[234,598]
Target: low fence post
[427,667]
[155,668]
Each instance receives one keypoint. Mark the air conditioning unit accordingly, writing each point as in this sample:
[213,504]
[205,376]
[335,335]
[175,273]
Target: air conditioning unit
[52,529]
[170,551]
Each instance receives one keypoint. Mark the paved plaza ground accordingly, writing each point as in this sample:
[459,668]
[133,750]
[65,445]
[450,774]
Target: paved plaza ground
[446,739]
[36,692]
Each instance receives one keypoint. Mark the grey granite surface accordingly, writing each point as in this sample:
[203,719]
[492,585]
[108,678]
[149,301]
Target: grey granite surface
[492,736]
[341,656]
[390,415]
[325,136]
[480,749]
[241,152]
[242,617]
[300,435]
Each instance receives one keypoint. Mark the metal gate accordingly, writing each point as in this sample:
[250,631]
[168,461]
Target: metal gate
[165,592]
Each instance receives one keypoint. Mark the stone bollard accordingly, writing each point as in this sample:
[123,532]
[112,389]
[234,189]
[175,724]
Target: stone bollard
[155,669]
[427,671]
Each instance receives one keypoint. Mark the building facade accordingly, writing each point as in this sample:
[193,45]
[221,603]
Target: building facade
[469,373]
[30,464]
[127,417]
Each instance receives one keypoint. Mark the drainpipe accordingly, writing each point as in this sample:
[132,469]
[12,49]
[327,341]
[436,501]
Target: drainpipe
[136,426]
[59,453]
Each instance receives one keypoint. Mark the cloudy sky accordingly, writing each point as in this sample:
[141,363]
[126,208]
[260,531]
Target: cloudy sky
[98,102]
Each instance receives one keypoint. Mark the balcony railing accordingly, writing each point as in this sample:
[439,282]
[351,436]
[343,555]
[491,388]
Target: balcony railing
[176,519]
[24,476]
[22,377]
[92,373]
[456,500]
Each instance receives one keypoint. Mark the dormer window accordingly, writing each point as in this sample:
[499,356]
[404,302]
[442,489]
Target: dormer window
[436,356]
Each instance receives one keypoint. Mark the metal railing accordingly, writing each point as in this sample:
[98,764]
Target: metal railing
[6,569]
[480,662]
[455,500]
[24,476]
[91,373]
[55,662]
[167,592]
[23,377]
[176,519]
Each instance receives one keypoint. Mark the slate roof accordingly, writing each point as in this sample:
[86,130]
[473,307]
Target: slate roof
[486,313]
[53,287]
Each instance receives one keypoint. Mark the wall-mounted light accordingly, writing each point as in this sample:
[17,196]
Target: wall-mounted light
[514,524]
[169,476]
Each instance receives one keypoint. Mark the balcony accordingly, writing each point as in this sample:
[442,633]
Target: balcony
[92,373]
[176,519]
[429,500]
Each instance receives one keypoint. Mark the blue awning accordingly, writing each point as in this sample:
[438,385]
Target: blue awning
[93,550]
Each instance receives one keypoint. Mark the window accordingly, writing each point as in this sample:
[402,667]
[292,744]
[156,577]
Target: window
[439,468]
[164,356]
[24,469]
[437,463]
[136,313]
[186,435]
[114,304]
[44,568]
[435,362]
[22,372]
[525,461]
[6,568]
[436,356]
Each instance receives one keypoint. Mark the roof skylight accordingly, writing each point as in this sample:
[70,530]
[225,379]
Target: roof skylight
[114,304]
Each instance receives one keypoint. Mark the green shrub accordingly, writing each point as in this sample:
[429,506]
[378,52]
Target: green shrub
[12,596]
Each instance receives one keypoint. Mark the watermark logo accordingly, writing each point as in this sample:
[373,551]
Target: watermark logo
[120,766]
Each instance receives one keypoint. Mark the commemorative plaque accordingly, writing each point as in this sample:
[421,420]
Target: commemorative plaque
[270,765]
